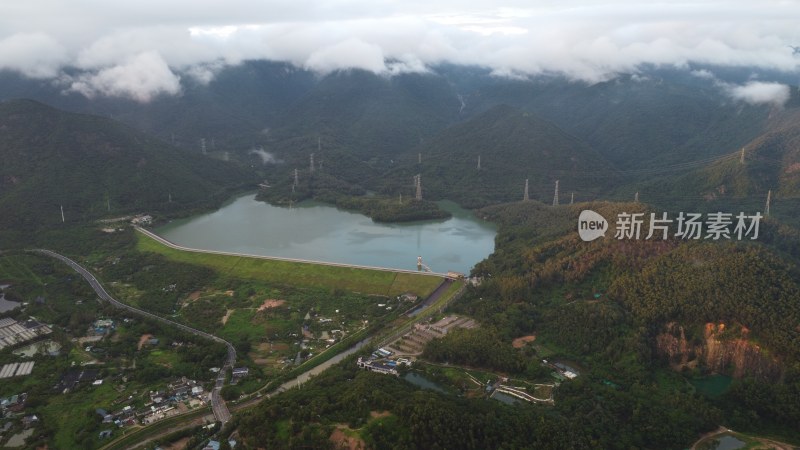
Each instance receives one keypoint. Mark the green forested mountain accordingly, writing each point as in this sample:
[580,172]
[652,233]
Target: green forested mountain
[233,110]
[741,179]
[368,129]
[513,146]
[659,116]
[771,161]
[95,167]
[630,309]
[374,116]
[387,413]
[653,119]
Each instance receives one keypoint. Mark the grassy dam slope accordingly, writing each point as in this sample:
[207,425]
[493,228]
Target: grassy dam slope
[354,279]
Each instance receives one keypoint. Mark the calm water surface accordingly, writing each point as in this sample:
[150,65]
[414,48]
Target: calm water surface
[420,381]
[729,442]
[321,232]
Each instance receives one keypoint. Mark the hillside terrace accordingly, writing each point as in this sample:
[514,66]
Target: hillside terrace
[413,342]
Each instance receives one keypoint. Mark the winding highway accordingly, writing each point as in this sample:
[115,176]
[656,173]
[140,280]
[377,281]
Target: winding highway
[218,405]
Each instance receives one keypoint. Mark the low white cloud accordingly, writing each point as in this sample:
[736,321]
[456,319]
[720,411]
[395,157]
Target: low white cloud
[348,54]
[757,92]
[407,64]
[704,74]
[266,157]
[36,55]
[581,39]
[140,78]
[204,73]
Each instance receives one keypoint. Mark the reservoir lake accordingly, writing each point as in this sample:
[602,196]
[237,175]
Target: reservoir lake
[321,232]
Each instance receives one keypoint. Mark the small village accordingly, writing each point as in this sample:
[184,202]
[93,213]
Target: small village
[96,373]
[397,359]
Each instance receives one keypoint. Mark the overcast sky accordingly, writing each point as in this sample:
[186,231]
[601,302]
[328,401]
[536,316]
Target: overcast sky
[142,48]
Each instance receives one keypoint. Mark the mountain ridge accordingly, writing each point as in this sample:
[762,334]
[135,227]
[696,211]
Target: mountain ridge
[93,166]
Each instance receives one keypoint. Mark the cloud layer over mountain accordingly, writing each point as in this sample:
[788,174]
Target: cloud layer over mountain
[140,49]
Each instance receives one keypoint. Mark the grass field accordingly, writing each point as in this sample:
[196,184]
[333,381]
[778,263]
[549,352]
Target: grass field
[17,268]
[365,281]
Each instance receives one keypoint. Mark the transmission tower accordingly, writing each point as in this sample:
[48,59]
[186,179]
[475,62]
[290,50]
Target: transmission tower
[769,197]
[555,197]
[319,150]
[311,164]
[62,214]
[572,198]
[418,180]
[295,179]
[636,197]
[479,162]
[525,195]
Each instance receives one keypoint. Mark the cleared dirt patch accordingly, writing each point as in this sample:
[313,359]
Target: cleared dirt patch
[521,341]
[342,441]
[179,444]
[379,414]
[195,295]
[271,303]
[143,340]
[227,316]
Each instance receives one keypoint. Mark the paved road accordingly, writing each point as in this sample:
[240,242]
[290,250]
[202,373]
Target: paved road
[415,313]
[218,405]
